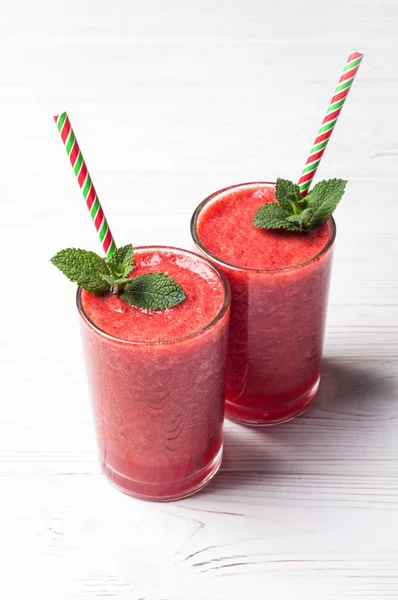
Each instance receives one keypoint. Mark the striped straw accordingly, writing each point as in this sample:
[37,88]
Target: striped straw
[85,183]
[330,120]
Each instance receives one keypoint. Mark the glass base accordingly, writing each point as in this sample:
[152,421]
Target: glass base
[164,492]
[271,416]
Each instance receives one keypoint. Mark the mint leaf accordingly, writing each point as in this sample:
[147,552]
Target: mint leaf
[295,213]
[287,195]
[121,262]
[323,199]
[302,204]
[272,216]
[301,219]
[153,291]
[84,268]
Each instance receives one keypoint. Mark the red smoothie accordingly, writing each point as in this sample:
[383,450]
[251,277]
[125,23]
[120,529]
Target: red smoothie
[279,283]
[157,379]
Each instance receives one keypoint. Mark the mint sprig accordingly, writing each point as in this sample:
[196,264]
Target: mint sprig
[83,267]
[151,291]
[293,212]
[121,263]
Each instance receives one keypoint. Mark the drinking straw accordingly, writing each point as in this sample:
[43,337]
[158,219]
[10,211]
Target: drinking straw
[86,185]
[330,120]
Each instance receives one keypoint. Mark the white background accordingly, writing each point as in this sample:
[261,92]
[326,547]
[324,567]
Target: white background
[171,100]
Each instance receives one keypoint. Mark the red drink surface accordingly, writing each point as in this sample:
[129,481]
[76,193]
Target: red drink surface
[157,379]
[278,304]
[226,230]
[204,296]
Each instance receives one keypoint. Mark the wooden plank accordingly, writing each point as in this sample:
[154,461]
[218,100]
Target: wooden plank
[170,102]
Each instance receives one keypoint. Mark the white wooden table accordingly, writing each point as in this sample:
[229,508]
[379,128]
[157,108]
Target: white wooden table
[171,101]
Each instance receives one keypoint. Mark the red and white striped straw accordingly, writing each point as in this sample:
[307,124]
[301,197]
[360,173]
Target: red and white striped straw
[330,120]
[86,185]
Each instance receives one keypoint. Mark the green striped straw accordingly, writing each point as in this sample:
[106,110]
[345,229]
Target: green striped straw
[85,183]
[330,120]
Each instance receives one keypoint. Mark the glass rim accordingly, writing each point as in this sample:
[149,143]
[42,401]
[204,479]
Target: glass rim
[230,266]
[220,314]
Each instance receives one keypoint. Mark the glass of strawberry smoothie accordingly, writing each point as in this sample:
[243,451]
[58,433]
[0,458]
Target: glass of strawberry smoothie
[279,283]
[157,378]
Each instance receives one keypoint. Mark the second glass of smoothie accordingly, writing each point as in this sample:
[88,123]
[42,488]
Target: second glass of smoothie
[157,378]
[279,283]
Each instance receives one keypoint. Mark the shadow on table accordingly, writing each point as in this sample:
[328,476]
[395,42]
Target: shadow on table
[334,429]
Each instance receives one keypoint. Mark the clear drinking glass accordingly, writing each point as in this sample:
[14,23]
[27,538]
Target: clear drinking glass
[159,406]
[276,329]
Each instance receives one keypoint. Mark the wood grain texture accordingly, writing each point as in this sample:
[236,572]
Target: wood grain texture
[171,101]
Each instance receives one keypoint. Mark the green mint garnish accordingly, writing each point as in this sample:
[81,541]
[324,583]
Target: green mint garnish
[121,262]
[152,291]
[293,212]
[272,216]
[84,268]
